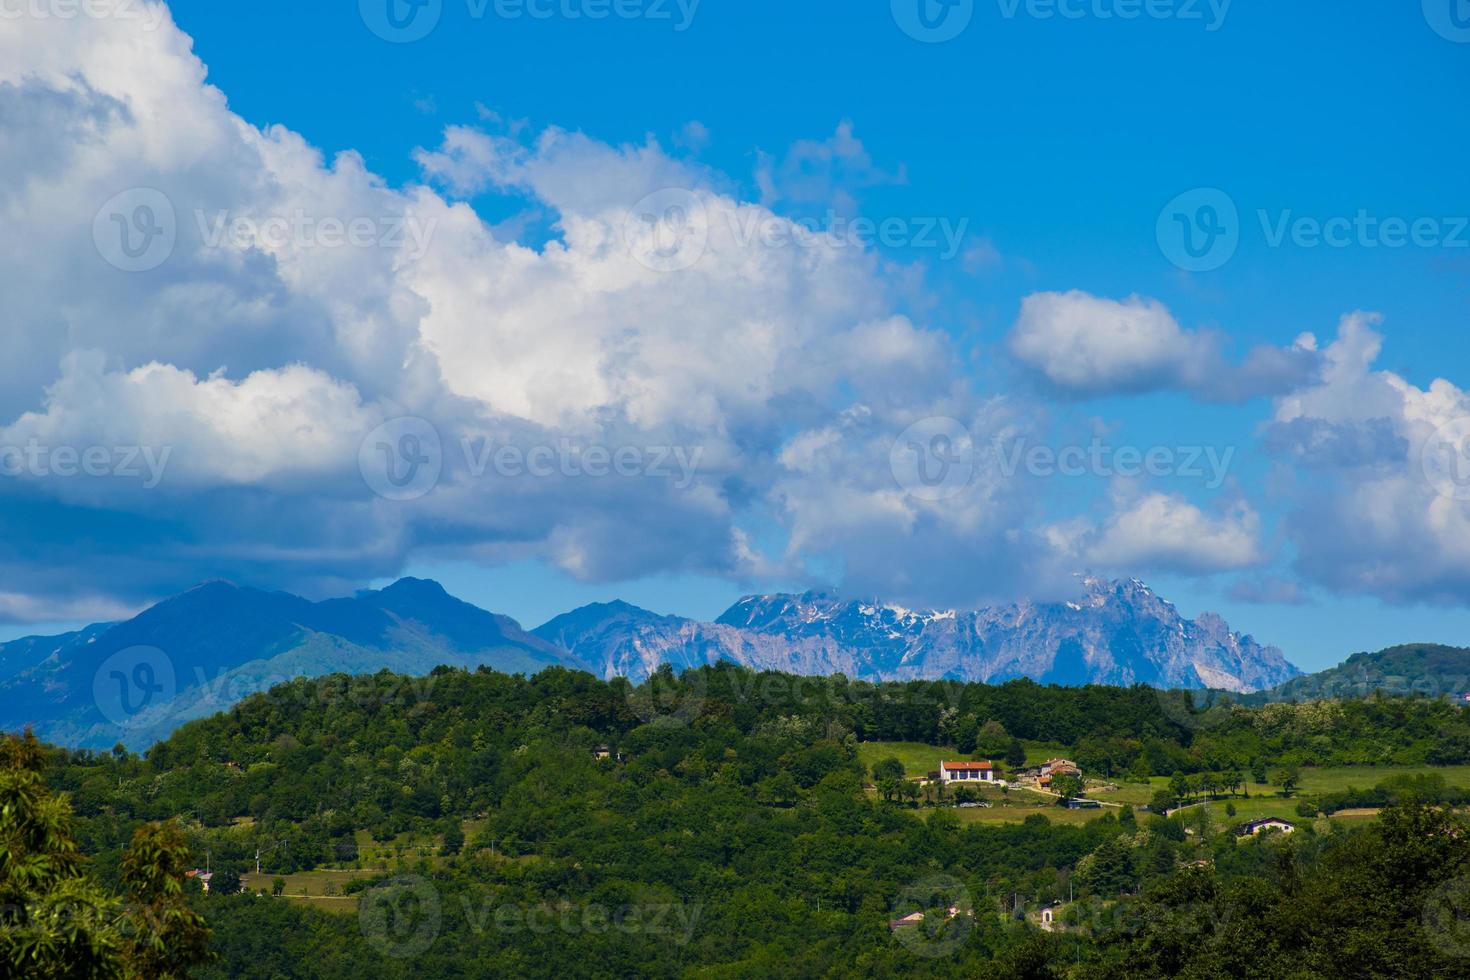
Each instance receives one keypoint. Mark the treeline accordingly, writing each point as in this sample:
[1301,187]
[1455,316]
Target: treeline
[313,762]
[728,833]
[1394,791]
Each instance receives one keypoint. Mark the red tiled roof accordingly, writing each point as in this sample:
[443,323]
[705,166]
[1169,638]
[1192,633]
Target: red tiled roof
[966,765]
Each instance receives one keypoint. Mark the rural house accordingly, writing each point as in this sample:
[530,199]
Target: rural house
[963,772]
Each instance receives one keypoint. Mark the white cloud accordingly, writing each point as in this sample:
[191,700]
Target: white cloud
[272,424]
[261,361]
[1373,515]
[790,368]
[1085,345]
[1166,533]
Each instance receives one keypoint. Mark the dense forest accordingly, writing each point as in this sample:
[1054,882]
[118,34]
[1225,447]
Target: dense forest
[721,824]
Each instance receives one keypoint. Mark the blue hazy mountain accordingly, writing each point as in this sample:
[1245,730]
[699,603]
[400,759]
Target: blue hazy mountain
[208,648]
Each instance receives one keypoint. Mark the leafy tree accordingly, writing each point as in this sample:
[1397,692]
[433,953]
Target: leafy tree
[1179,787]
[225,881]
[993,740]
[1067,786]
[55,921]
[781,790]
[166,936]
[1233,779]
[1109,870]
[1288,778]
[910,792]
[453,836]
[1016,755]
[888,776]
[1164,800]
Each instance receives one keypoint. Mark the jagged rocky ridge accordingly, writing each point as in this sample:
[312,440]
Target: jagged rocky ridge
[1112,633]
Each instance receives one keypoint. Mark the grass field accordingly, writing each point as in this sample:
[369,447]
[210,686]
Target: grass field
[1314,781]
[311,887]
[1264,801]
[918,759]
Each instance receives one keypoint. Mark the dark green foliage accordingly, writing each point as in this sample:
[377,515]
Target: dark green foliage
[58,922]
[1381,901]
[737,811]
[1016,754]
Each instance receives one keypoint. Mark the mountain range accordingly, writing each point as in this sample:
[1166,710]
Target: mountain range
[207,648]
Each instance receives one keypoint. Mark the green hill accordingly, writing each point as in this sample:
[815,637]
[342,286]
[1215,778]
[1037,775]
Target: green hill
[1428,669]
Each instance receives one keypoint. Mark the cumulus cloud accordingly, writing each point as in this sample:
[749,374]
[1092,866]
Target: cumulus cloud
[265,346]
[1087,346]
[1166,533]
[1382,502]
[756,377]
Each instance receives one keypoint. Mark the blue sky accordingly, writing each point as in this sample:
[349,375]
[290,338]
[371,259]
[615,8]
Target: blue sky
[1054,142]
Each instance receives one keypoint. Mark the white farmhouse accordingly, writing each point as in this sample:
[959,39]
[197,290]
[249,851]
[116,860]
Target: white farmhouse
[966,772]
